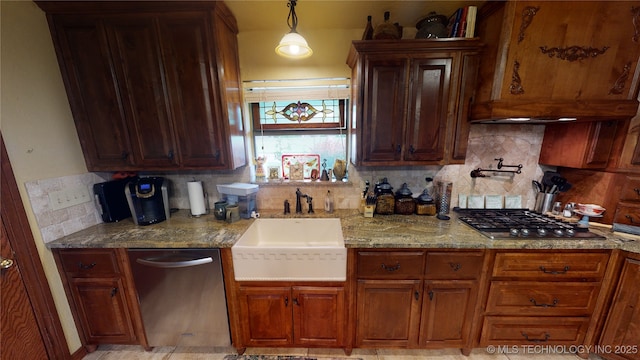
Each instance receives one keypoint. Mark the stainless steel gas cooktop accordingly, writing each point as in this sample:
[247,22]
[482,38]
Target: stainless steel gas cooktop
[522,224]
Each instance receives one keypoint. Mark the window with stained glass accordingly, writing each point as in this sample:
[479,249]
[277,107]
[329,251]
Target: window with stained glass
[309,132]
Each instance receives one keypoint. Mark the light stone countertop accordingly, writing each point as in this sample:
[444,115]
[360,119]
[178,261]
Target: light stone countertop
[390,231]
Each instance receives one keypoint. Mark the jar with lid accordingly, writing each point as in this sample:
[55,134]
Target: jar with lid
[425,205]
[404,203]
[385,201]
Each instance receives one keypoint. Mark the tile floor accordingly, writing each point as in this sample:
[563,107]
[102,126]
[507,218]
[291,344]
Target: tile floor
[117,352]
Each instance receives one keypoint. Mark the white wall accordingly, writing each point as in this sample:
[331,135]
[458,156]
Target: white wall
[36,122]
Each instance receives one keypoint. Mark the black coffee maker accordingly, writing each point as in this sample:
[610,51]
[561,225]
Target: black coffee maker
[148,200]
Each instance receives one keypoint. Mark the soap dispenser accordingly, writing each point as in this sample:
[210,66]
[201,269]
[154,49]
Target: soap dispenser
[328,202]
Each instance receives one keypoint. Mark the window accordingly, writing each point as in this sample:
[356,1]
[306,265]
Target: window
[290,129]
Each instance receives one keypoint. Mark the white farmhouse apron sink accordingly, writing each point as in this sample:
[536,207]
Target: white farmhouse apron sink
[308,249]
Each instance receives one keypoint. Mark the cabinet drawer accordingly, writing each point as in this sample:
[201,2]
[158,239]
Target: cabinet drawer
[454,265]
[551,266]
[631,189]
[542,298]
[522,330]
[89,262]
[627,214]
[390,264]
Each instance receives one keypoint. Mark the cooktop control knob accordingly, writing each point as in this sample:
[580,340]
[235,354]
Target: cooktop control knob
[541,232]
[558,232]
[524,232]
[514,232]
[570,232]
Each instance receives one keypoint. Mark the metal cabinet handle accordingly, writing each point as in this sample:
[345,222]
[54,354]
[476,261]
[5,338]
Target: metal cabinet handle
[546,338]
[455,266]
[411,149]
[630,218]
[114,291]
[535,303]
[125,155]
[161,263]
[430,294]
[170,155]
[391,268]
[398,148]
[286,301]
[87,266]
[555,272]
[295,301]
[5,263]
[637,191]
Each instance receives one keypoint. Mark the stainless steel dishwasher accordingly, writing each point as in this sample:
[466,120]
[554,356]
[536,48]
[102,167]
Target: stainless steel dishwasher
[181,295]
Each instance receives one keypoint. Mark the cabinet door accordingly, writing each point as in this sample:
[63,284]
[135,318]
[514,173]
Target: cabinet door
[191,76]
[583,145]
[563,54]
[102,307]
[428,110]
[384,109]
[388,312]
[83,55]
[267,316]
[139,68]
[319,316]
[622,329]
[447,312]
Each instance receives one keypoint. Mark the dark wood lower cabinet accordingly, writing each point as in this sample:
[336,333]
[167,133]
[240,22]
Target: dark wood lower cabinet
[101,292]
[283,316]
[447,311]
[621,335]
[388,313]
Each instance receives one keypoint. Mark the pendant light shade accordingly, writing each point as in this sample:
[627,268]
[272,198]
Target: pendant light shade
[293,45]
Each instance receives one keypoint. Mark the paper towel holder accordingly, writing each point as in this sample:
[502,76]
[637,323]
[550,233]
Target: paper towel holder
[205,197]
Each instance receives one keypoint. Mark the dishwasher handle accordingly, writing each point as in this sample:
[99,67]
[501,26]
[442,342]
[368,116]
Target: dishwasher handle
[157,263]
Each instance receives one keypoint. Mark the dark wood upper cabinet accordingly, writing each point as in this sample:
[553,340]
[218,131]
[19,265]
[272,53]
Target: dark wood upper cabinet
[152,86]
[411,100]
[551,59]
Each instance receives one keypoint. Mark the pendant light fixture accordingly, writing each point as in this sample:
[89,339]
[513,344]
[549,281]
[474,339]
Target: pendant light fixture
[293,45]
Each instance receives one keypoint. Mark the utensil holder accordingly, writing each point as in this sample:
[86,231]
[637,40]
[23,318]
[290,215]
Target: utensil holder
[544,202]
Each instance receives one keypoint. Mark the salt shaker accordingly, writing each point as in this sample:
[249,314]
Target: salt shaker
[568,210]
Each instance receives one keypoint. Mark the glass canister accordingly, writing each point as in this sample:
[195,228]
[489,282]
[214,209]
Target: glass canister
[385,201]
[404,203]
[425,205]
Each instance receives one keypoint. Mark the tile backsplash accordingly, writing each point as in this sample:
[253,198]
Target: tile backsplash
[55,224]
[515,144]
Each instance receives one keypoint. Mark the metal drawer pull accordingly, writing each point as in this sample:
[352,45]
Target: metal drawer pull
[114,291]
[295,301]
[637,191]
[546,338]
[630,218]
[391,268]
[86,267]
[553,304]
[286,301]
[554,272]
[455,266]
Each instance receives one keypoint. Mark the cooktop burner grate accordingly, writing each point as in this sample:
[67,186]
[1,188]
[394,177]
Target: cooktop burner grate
[521,223]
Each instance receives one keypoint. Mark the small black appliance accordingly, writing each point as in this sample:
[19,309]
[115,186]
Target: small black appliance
[148,200]
[111,200]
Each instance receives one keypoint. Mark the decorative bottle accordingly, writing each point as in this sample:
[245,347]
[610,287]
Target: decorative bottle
[387,30]
[368,30]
